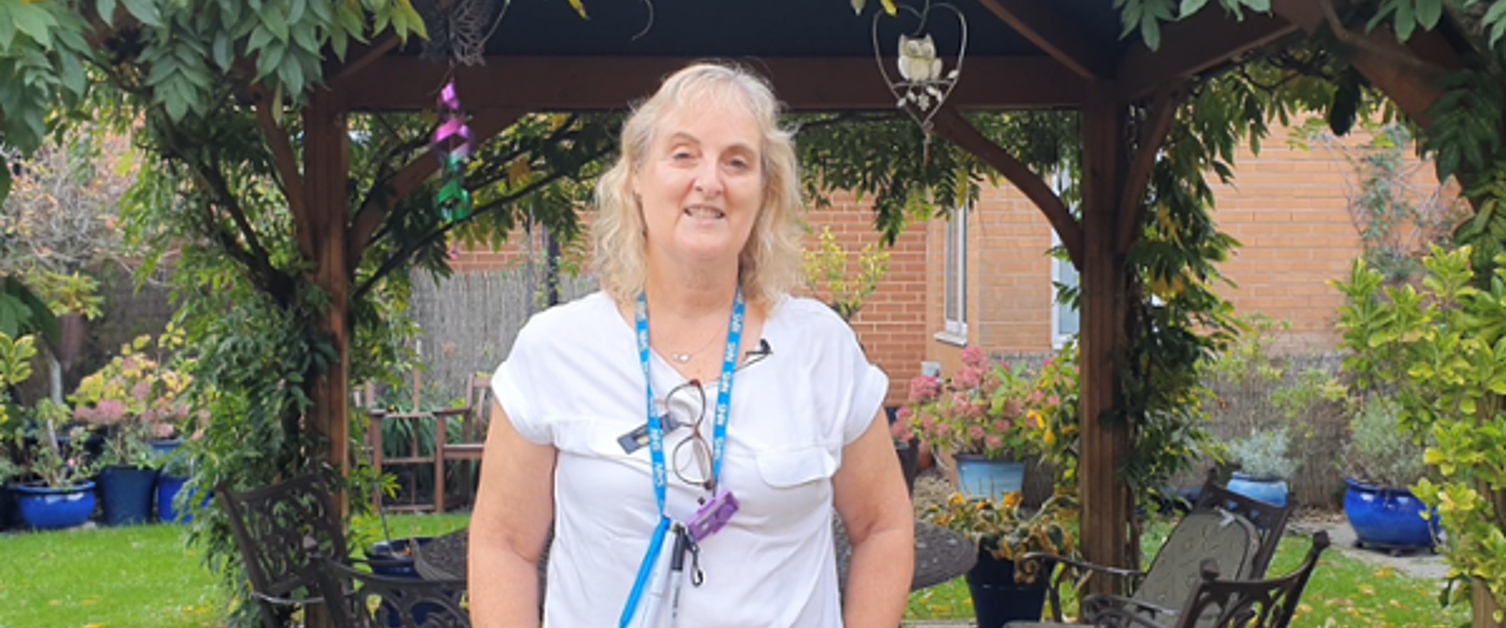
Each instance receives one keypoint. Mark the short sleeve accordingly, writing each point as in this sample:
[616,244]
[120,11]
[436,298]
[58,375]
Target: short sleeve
[514,385]
[869,387]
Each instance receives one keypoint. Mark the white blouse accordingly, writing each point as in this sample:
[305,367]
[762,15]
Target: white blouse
[573,381]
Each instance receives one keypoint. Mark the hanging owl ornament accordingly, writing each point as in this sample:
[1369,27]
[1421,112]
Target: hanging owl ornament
[452,143]
[924,82]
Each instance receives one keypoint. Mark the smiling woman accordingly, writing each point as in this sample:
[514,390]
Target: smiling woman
[696,240]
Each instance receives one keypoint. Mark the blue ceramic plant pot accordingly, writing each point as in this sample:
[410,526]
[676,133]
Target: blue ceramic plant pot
[1270,491]
[52,508]
[125,493]
[1388,518]
[168,487]
[978,476]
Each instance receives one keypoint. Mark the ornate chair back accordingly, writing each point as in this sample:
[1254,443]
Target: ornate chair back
[1269,520]
[1224,537]
[1268,603]
[279,530]
[371,600]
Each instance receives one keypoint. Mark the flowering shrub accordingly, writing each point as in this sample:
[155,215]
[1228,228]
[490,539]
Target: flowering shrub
[1005,530]
[984,409]
[136,398]
[1058,422]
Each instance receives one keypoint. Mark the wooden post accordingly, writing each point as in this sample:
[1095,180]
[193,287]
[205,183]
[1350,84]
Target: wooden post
[1105,503]
[325,167]
[1484,607]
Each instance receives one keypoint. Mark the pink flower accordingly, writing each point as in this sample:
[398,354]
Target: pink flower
[903,415]
[973,356]
[141,390]
[162,430]
[975,432]
[968,377]
[1001,425]
[110,411]
[993,441]
[927,422]
[924,388]
[1053,400]
[1013,407]
[993,382]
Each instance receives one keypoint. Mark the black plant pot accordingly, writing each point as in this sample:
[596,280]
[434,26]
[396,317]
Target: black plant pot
[997,598]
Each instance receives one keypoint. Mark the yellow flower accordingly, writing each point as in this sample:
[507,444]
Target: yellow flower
[1013,499]
[956,500]
[1049,437]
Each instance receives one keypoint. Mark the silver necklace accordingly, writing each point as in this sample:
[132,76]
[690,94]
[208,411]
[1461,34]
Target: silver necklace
[682,358]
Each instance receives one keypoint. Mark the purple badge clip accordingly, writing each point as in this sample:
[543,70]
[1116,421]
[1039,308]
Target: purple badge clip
[711,516]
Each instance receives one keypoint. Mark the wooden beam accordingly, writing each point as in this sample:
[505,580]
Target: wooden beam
[596,83]
[954,127]
[1057,35]
[286,163]
[1105,500]
[484,125]
[1412,86]
[1162,113]
[326,165]
[358,57]
[1206,40]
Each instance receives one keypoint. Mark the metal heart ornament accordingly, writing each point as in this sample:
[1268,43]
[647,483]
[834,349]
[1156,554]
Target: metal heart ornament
[925,82]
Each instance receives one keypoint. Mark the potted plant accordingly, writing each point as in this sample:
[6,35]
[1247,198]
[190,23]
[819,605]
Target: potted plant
[139,402]
[61,495]
[1264,465]
[1004,532]
[980,415]
[1381,462]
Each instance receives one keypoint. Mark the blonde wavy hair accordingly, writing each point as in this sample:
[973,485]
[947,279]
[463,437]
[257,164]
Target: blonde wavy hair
[770,262]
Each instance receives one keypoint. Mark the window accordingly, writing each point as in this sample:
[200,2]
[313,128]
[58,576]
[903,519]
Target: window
[956,275]
[1065,320]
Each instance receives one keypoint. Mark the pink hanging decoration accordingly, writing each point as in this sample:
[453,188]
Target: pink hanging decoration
[452,143]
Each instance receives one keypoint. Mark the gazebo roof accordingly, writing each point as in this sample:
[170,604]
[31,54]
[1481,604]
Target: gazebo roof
[1021,54]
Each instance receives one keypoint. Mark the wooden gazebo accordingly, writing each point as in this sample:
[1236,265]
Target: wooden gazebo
[1022,54]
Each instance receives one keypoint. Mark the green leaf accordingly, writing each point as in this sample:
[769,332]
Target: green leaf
[275,21]
[857,6]
[72,74]
[224,51]
[35,21]
[1429,12]
[106,10]
[4,179]
[1263,6]
[1191,6]
[145,11]
[1150,31]
[1406,20]
[7,27]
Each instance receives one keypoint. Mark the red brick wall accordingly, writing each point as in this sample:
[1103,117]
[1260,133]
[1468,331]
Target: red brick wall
[1287,206]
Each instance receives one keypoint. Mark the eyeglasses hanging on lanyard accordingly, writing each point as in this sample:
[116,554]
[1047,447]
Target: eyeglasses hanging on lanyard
[645,601]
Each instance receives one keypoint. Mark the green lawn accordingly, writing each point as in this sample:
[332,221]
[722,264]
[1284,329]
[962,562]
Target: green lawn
[144,577]
[133,577]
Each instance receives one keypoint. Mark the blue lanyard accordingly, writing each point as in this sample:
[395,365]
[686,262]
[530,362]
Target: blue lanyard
[656,434]
[723,397]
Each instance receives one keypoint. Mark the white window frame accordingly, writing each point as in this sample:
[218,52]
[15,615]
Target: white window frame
[955,284]
[1059,270]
